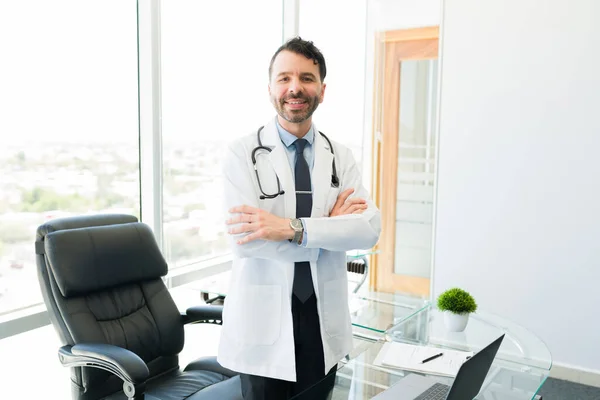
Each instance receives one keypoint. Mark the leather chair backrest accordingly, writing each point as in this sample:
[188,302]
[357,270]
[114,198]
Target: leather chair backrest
[101,281]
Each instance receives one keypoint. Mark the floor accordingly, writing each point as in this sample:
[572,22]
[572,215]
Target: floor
[555,389]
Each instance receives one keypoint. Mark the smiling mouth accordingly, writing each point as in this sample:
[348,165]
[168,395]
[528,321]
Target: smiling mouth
[296,104]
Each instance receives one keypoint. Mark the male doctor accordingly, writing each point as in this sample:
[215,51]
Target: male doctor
[286,321]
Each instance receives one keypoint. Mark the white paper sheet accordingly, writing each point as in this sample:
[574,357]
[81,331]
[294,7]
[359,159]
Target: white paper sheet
[409,357]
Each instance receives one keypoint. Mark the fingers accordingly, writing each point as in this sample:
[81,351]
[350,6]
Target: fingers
[342,197]
[356,200]
[244,209]
[245,214]
[253,236]
[241,228]
[356,207]
[241,218]
[340,201]
[350,203]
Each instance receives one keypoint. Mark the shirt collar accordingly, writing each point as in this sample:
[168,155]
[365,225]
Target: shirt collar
[288,139]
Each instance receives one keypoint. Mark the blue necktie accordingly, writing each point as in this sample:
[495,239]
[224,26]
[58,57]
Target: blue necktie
[303,286]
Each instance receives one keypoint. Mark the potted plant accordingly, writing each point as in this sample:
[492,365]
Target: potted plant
[456,305]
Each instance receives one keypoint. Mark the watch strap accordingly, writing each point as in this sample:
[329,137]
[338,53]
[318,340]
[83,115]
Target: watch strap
[297,233]
[297,236]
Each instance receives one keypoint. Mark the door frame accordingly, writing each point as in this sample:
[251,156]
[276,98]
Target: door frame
[391,48]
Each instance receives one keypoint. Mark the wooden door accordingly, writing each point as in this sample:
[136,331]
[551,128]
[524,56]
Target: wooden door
[404,158]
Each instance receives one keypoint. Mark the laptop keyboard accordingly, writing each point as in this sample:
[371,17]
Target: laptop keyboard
[437,392]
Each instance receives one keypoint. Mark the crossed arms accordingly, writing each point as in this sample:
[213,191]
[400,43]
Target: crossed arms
[353,223]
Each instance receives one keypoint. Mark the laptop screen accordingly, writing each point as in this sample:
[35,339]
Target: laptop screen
[472,373]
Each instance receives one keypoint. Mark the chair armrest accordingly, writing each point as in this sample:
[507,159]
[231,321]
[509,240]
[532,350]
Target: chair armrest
[119,361]
[203,314]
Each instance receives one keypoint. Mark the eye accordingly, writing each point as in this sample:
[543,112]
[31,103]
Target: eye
[307,79]
[284,79]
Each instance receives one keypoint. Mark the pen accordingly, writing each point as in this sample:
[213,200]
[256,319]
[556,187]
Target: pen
[432,358]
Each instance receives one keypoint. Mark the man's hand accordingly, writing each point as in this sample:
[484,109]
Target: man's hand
[260,223]
[343,206]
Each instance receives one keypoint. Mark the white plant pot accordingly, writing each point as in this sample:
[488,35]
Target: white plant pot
[455,322]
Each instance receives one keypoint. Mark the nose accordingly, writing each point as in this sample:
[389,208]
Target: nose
[295,86]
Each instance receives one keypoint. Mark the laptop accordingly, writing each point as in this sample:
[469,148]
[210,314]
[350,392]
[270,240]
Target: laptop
[466,385]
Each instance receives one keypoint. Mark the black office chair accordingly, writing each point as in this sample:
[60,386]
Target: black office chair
[120,329]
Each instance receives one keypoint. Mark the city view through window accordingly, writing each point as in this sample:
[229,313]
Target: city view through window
[69,125]
[42,181]
[70,131]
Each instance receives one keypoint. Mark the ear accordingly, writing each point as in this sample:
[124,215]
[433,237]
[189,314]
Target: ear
[322,96]
[269,87]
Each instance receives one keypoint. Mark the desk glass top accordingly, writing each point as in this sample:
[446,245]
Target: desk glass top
[519,369]
[519,345]
[379,312]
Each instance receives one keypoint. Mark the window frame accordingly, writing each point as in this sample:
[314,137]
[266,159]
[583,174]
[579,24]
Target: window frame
[150,154]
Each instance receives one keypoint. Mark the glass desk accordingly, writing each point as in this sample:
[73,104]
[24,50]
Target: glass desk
[372,318]
[378,312]
[520,368]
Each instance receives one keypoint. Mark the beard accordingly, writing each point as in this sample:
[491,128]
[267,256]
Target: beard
[296,116]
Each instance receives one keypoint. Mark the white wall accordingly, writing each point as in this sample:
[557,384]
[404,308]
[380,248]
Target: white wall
[518,206]
[405,14]
[341,114]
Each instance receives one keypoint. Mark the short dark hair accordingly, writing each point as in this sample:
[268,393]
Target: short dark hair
[303,47]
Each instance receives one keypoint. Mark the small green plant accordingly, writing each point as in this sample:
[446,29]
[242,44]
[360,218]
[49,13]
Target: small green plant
[457,301]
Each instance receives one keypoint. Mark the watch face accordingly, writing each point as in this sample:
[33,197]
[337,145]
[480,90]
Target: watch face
[296,224]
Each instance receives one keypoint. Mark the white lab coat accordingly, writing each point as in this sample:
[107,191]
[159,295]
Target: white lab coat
[257,336]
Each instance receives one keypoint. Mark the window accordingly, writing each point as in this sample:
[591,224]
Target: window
[215,59]
[69,124]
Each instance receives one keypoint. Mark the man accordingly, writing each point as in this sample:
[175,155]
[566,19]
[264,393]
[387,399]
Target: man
[286,321]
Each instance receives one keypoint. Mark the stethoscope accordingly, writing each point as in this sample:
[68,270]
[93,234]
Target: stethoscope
[335,182]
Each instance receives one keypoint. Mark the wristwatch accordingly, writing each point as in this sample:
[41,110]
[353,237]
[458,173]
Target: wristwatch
[298,228]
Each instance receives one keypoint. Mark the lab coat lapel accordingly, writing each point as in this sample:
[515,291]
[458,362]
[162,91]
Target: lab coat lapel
[321,175]
[281,165]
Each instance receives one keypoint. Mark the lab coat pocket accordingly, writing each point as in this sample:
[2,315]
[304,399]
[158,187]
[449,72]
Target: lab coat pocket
[335,307]
[258,314]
